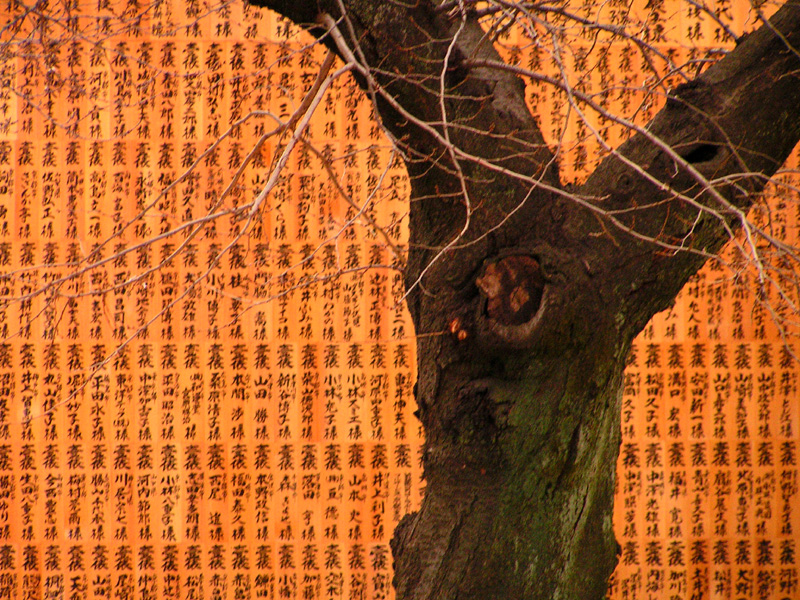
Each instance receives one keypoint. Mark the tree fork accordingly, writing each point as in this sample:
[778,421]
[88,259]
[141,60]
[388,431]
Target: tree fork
[533,293]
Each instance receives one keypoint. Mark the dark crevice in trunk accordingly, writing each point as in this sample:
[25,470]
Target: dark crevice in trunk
[702,153]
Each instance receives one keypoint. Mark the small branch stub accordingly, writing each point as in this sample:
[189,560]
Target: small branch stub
[458,329]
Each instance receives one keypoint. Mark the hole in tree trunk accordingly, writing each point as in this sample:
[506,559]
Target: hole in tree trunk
[702,153]
[513,288]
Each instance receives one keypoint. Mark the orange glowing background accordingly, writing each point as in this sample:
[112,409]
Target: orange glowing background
[197,405]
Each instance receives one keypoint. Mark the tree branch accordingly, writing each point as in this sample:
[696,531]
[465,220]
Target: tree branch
[412,60]
[414,56]
[689,177]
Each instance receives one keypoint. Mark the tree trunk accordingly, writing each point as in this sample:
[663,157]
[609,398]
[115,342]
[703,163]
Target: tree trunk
[526,297]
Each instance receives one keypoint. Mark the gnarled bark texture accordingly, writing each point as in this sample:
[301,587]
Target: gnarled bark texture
[536,293]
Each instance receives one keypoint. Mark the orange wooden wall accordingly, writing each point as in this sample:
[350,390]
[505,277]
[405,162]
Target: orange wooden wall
[193,406]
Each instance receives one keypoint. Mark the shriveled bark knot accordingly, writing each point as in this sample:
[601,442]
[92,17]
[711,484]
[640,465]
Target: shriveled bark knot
[513,289]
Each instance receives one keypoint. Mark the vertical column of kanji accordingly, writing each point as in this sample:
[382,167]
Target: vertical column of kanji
[286,399]
[28,473]
[788,484]
[709,450]
[27,84]
[285,311]
[11,179]
[627,581]
[45,421]
[51,144]
[740,413]
[80,57]
[144,358]
[767,464]
[109,63]
[240,465]
[310,584]
[76,518]
[728,355]
[53,490]
[358,516]
[124,479]
[333,423]
[192,470]
[574,151]
[356,407]
[145,354]
[774,370]
[711,417]
[706,414]
[26,355]
[159,85]
[171,482]
[333,411]
[532,58]
[24,398]
[241,291]
[314,331]
[125,193]
[145,424]
[671,424]
[659,555]
[785,412]
[263,533]
[176,97]
[8,384]
[553,117]
[97,448]
[203,61]
[379,526]
[111,87]
[264,430]
[353,510]
[264,409]
[92,449]
[308,237]
[27,398]
[709,389]
[607,77]
[77,77]
[217,489]
[214,123]
[8,494]
[239,402]
[177,62]
[8,112]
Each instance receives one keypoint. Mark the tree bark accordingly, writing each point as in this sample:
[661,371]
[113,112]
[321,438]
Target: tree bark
[525,296]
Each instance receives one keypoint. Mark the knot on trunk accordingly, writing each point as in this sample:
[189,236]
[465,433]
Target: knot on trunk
[513,288]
